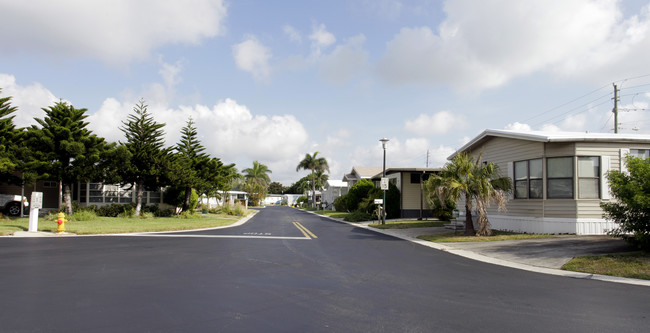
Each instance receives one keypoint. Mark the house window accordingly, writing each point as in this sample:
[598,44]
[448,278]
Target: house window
[528,179]
[559,174]
[588,177]
[50,184]
[416,176]
[641,153]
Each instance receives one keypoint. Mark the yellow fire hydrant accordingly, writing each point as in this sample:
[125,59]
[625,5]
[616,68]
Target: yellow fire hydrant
[60,220]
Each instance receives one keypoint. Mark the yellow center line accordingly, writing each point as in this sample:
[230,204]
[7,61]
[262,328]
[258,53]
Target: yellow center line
[304,230]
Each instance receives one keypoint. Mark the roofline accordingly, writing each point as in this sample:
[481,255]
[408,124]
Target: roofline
[553,137]
[394,170]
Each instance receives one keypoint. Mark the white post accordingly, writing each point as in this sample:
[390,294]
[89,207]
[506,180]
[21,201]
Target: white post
[36,204]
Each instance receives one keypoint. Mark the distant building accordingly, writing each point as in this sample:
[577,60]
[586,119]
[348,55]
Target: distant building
[360,172]
[332,190]
[410,183]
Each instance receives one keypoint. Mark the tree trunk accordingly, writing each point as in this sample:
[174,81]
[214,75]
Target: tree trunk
[188,197]
[483,222]
[67,199]
[139,189]
[469,224]
[313,190]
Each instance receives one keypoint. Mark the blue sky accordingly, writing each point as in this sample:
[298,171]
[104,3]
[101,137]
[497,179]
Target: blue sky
[273,80]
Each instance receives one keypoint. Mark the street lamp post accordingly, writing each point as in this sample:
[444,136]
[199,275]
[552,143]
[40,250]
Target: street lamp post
[383,213]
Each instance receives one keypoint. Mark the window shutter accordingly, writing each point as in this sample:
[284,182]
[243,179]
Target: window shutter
[604,183]
[623,152]
[511,174]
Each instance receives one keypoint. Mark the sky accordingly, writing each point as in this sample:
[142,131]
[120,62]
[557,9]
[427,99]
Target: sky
[271,81]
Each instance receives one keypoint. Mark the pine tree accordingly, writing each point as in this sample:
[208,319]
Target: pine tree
[146,168]
[65,149]
[189,160]
[8,140]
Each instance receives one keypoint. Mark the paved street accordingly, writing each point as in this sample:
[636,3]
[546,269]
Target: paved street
[290,271]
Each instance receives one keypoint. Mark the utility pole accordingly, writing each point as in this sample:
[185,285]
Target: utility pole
[615,110]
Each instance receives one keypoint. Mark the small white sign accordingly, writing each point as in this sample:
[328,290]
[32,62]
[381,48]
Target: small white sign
[37,200]
[379,201]
[383,184]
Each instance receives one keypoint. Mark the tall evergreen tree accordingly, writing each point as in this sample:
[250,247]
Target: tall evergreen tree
[215,177]
[313,163]
[188,161]
[66,150]
[147,166]
[8,140]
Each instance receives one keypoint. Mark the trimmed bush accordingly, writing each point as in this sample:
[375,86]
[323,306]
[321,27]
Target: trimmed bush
[340,203]
[114,209]
[358,192]
[358,216]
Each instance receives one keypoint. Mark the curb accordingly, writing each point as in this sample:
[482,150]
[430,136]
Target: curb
[500,262]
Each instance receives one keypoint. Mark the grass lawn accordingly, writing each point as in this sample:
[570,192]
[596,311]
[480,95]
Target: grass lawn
[630,265]
[497,235]
[331,213]
[406,224]
[109,225]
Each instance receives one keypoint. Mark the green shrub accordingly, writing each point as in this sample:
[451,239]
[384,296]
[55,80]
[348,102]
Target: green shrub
[340,203]
[446,213]
[302,200]
[77,208]
[631,208]
[188,215]
[147,215]
[236,209]
[156,211]
[128,212]
[358,216]
[175,196]
[358,192]
[84,215]
[112,210]
[393,199]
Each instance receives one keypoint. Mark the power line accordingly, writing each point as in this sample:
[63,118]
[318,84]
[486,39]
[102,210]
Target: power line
[566,103]
[576,108]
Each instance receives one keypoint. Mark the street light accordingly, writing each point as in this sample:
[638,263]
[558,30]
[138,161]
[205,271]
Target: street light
[383,213]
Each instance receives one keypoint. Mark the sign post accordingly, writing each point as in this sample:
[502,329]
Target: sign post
[35,205]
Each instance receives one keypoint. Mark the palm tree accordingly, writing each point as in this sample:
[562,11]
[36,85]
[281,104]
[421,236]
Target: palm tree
[257,180]
[313,163]
[258,174]
[478,183]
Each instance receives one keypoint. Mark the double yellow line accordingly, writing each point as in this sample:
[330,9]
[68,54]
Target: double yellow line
[304,230]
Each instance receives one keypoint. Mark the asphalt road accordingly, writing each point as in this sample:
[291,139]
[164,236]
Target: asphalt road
[291,271]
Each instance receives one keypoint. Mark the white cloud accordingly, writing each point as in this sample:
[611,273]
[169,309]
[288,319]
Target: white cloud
[485,44]
[517,126]
[170,72]
[114,31]
[435,124]
[293,33]
[321,39]
[389,9]
[227,129]
[411,152]
[28,99]
[345,61]
[253,57]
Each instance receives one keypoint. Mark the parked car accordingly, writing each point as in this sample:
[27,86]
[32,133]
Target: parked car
[11,204]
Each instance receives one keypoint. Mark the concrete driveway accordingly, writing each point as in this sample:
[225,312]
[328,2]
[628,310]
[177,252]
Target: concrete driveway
[550,252]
